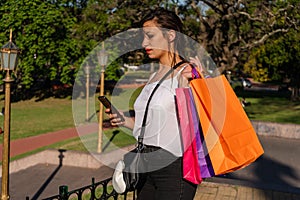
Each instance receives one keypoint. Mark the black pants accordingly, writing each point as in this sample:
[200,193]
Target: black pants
[165,182]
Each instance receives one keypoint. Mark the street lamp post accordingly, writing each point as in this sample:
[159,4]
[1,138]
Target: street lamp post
[87,85]
[9,55]
[102,58]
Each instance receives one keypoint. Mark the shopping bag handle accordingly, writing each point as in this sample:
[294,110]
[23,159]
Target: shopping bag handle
[196,72]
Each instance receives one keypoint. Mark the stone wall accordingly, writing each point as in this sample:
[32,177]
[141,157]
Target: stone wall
[277,130]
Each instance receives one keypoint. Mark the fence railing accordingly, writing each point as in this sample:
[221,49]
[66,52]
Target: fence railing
[102,190]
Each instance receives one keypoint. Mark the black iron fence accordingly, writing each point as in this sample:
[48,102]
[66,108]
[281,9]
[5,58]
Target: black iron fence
[102,190]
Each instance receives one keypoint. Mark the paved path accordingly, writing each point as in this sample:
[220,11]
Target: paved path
[47,182]
[28,144]
[220,191]
[49,177]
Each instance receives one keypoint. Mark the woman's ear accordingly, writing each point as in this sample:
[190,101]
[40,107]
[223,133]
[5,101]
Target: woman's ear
[171,35]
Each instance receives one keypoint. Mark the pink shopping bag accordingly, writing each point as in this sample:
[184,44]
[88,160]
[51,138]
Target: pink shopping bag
[191,170]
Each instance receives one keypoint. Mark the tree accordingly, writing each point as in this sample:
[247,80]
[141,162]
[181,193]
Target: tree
[103,19]
[42,31]
[290,66]
[229,29]
[279,59]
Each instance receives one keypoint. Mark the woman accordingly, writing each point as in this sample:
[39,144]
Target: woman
[162,136]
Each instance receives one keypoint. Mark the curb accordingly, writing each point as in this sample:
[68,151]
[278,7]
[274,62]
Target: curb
[291,131]
[67,158]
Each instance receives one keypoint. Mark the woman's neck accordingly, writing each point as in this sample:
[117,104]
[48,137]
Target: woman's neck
[168,61]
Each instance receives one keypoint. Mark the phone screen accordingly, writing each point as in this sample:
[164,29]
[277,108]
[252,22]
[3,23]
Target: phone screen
[108,104]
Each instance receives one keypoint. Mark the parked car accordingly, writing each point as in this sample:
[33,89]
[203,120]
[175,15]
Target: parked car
[236,84]
[239,83]
[245,82]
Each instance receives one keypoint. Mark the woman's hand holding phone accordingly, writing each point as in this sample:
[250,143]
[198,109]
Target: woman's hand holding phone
[116,118]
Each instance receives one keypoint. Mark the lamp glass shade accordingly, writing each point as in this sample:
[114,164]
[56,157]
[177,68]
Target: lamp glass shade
[102,57]
[86,69]
[9,56]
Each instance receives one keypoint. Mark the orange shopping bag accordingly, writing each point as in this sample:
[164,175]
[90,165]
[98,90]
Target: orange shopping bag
[230,139]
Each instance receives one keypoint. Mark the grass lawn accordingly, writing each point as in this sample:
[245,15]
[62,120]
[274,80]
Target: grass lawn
[29,118]
[271,106]
[274,110]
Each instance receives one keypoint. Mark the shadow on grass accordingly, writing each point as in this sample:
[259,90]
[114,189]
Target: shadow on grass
[261,93]
[116,132]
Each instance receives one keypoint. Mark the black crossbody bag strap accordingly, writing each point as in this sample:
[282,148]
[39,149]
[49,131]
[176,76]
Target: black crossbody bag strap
[141,136]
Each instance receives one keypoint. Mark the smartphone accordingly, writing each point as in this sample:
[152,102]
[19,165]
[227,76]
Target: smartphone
[108,104]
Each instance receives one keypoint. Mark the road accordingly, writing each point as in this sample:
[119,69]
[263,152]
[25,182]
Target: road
[277,169]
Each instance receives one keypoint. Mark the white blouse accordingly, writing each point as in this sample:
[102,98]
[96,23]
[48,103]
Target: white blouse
[162,127]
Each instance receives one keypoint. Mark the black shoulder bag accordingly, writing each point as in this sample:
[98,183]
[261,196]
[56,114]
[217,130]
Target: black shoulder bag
[133,161]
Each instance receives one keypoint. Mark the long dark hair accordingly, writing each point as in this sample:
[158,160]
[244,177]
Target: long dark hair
[168,20]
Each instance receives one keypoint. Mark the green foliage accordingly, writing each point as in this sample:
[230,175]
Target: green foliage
[256,67]
[113,71]
[279,59]
[103,19]
[56,36]
[42,31]
[288,66]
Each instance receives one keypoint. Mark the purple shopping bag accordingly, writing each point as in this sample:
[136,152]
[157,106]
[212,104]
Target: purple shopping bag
[204,161]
